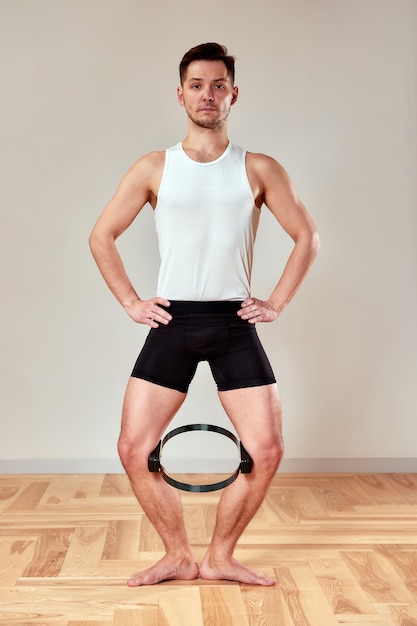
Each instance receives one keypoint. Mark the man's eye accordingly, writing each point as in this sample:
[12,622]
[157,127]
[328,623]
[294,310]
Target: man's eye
[220,86]
[195,86]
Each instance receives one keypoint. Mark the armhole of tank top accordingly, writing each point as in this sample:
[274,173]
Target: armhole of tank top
[162,179]
[246,177]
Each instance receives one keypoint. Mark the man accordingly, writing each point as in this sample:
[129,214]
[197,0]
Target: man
[206,194]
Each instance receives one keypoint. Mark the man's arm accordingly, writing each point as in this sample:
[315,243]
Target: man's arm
[272,186]
[139,186]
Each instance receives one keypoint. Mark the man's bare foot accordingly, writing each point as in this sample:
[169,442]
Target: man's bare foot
[166,569]
[231,569]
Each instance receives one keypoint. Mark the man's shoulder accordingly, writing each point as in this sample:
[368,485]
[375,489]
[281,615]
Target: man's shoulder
[153,158]
[260,157]
[146,170]
[263,163]
[149,162]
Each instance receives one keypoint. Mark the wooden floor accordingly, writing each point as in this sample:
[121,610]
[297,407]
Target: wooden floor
[342,547]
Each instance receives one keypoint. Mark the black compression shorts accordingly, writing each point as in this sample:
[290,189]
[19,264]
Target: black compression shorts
[204,331]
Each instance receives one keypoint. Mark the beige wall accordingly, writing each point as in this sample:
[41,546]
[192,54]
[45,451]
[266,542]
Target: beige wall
[327,87]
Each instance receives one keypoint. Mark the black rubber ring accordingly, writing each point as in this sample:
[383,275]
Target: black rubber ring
[244,467]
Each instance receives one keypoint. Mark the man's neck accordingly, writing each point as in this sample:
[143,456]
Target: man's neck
[206,145]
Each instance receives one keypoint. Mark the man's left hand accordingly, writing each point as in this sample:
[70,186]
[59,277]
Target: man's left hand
[255,311]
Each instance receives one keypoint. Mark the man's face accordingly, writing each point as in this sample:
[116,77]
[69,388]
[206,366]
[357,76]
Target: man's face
[207,93]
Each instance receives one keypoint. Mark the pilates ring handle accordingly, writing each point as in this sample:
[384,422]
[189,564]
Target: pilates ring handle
[154,464]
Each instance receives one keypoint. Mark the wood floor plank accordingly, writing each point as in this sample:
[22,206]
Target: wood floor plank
[407,512]
[116,485]
[88,486]
[352,490]
[377,577]
[196,526]
[59,490]
[279,507]
[122,540]
[50,552]
[14,557]
[223,606]
[209,512]
[381,489]
[54,612]
[304,503]
[306,601]
[86,549]
[406,484]
[342,590]
[331,532]
[180,607]
[29,496]
[266,607]
[330,496]
[405,563]
[367,620]
[149,538]
[89,623]
[137,617]
[103,596]
[404,615]
[9,487]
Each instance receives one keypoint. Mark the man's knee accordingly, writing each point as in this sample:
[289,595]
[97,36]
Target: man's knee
[124,448]
[267,457]
[277,454]
[133,453]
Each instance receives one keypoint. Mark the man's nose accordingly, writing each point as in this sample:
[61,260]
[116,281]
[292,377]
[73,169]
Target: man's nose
[208,95]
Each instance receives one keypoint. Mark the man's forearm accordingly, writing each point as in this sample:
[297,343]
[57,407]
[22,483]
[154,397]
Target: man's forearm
[112,269]
[296,269]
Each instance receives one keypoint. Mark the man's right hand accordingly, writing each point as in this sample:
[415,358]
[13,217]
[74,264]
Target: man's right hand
[148,312]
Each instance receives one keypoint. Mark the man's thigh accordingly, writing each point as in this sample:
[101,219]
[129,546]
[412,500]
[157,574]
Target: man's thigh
[255,412]
[147,411]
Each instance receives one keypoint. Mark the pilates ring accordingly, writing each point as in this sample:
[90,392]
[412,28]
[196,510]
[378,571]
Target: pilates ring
[154,463]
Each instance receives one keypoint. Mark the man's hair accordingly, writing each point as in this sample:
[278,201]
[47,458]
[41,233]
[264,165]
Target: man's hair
[208,52]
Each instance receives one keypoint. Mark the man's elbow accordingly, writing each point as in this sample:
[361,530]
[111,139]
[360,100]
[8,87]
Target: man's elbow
[309,240]
[93,241]
[315,243]
[98,241]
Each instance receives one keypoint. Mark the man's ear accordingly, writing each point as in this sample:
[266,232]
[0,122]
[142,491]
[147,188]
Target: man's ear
[180,96]
[235,94]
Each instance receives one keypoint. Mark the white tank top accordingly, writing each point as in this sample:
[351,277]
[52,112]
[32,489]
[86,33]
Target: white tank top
[206,221]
